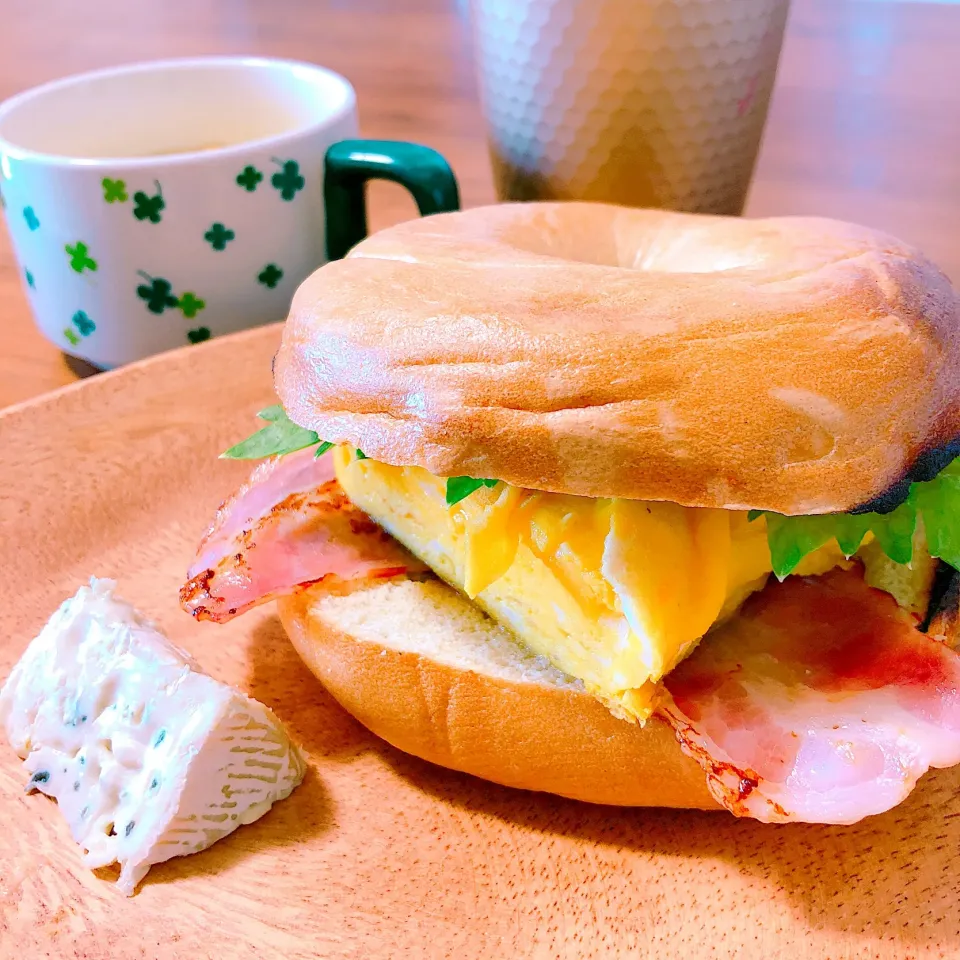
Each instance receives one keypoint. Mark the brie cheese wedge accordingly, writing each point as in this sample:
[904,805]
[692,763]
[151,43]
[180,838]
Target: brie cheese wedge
[147,756]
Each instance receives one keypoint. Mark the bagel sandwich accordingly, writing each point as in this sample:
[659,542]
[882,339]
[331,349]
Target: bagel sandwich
[635,507]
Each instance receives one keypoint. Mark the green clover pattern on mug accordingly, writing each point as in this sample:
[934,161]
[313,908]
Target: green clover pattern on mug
[157,293]
[158,296]
[270,275]
[84,327]
[218,236]
[249,178]
[222,250]
[149,207]
[190,304]
[288,180]
[114,191]
[83,323]
[80,258]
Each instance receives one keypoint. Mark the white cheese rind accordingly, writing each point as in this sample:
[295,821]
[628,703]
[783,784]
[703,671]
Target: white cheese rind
[148,757]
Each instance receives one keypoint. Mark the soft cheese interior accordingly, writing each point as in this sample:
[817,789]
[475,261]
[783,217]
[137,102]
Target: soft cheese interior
[147,756]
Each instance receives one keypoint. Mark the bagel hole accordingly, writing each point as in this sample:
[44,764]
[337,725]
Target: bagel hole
[644,241]
[688,255]
[647,253]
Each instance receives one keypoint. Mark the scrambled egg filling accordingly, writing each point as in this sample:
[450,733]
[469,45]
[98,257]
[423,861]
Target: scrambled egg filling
[615,592]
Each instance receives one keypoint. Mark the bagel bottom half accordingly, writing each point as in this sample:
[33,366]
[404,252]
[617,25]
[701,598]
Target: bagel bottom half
[426,670]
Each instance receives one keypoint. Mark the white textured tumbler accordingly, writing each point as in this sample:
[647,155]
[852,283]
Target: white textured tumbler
[657,103]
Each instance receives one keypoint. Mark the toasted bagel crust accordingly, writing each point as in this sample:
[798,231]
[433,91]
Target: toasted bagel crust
[791,364]
[531,735]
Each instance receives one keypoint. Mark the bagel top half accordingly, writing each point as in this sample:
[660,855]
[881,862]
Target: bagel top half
[799,365]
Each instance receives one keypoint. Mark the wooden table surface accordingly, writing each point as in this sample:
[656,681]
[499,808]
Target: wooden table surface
[863,125]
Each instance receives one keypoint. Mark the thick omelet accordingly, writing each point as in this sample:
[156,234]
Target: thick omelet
[615,592]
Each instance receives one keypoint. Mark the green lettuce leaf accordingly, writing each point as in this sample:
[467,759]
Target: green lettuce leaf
[460,487]
[274,414]
[936,502]
[281,435]
[894,531]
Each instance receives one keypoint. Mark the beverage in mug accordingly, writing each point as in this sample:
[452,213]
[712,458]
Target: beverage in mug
[161,204]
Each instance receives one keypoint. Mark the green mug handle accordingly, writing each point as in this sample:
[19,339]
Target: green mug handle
[349,164]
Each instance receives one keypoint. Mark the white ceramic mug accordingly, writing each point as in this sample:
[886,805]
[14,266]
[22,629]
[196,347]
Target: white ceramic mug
[163,203]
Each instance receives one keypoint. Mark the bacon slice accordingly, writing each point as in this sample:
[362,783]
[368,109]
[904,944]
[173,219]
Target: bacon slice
[821,702]
[288,526]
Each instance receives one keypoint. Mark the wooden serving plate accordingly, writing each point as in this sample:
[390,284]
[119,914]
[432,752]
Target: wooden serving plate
[378,855]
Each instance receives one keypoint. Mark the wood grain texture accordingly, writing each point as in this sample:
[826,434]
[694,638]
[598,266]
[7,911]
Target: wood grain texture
[378,855]
[862,125]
